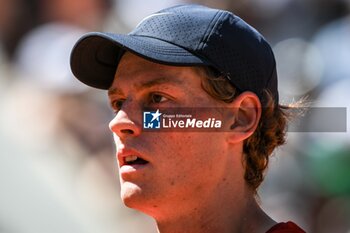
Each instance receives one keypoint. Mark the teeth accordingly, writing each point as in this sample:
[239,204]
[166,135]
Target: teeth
[130,158]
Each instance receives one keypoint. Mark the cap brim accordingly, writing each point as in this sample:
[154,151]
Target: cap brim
[95,57]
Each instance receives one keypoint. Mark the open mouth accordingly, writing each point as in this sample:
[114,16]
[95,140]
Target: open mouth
[134,160]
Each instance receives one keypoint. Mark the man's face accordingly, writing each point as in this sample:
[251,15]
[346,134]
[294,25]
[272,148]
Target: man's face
[171,167]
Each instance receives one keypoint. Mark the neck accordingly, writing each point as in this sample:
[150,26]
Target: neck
[226,213]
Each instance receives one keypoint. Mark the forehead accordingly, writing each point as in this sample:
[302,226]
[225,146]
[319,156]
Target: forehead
[141,73]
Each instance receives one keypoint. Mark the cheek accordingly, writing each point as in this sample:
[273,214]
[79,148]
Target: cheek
[188,157]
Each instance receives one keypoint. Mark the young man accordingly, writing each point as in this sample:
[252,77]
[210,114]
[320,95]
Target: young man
[190,57]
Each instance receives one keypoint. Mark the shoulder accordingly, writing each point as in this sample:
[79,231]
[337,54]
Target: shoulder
[286,227]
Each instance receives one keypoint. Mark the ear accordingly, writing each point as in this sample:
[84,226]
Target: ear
[246,109]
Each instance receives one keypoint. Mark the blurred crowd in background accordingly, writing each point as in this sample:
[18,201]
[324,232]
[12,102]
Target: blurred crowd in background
[57,166]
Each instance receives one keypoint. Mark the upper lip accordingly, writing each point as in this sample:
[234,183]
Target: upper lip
[123,152]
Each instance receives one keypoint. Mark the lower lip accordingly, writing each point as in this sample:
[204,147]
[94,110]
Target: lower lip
[128,169]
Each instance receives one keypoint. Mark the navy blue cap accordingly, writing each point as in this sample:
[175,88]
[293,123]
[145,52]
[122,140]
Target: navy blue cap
[184,35]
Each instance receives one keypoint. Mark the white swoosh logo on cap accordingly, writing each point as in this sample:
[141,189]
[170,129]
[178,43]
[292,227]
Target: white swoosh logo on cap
[153,15]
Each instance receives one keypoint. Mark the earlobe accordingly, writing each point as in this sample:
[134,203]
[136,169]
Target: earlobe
[247,111]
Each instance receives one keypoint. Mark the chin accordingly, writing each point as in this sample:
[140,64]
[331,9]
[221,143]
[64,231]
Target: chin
[136,198]
[131,194]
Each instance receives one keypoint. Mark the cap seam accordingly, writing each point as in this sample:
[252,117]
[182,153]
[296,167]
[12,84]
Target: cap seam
[208,31]
[273,67]
[171,51]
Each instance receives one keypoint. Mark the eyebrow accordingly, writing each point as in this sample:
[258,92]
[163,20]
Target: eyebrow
[148,84]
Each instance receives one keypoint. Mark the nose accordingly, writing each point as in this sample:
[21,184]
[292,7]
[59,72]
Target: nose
[123,126]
